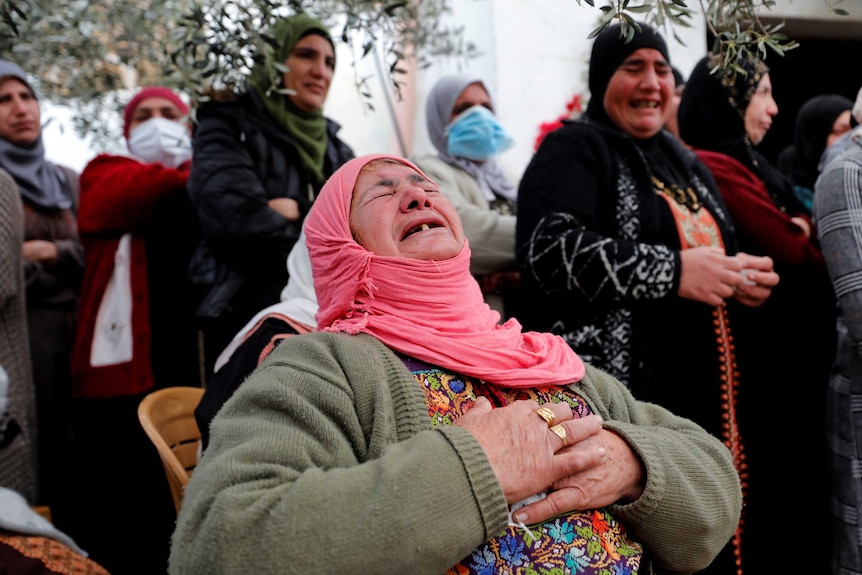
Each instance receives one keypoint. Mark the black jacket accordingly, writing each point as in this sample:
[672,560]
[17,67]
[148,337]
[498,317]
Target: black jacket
[599,253]
[242,160]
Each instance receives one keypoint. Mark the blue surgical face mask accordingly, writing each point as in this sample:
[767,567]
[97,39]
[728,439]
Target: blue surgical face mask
[475,134]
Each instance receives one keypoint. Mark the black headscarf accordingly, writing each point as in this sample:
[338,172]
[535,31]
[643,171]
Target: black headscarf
[678,78]
[712,117]
[712,110]
[609,51]
[814,123]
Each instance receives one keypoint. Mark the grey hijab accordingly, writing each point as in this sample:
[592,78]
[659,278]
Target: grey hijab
[39,181]
[438,109]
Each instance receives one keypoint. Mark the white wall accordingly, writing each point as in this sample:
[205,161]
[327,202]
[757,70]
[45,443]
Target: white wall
[816,9]
[62,144]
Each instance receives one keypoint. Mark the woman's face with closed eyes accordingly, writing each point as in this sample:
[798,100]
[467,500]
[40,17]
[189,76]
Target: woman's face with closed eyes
[398,212]
[639,94]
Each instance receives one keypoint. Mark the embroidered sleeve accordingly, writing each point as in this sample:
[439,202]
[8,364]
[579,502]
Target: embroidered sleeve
[562,255]
[579,224]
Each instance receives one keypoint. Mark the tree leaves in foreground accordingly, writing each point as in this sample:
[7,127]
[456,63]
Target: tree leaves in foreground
[89,53]
[735,25]
[85,53]
[215,43]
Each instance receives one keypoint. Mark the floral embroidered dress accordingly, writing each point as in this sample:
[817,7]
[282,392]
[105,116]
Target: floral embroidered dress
[584,542]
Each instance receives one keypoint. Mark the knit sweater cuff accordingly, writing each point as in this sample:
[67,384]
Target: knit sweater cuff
[487,491]
[651,499]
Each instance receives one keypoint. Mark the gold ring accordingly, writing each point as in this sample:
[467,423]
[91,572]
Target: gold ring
[547,414]
[560,432]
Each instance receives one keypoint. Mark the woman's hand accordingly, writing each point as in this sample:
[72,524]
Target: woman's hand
[709,275]
[288,207]
[40,251]
[802,223]
[527,457]
[618,477]
[759,277]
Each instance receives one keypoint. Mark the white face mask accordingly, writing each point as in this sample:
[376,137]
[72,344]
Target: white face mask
[161,140]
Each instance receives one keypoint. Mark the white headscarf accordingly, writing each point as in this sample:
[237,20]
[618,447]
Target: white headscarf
[298,299]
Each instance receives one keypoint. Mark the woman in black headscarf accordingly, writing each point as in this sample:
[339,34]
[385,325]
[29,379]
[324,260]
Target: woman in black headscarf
[628,250]
[728,116]
[787,345]
[819,123]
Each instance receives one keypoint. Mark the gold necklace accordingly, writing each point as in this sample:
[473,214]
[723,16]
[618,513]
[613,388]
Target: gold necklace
[685,197]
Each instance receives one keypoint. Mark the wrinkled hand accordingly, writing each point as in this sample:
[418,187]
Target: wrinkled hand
[618,477]
[759,271]
[288,207]
[40,251]
[709,275]
[526,456]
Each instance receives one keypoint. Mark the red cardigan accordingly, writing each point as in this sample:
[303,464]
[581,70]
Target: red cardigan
[756,216]
[118,195]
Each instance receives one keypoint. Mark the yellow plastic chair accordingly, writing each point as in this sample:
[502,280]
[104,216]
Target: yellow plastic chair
[167,416]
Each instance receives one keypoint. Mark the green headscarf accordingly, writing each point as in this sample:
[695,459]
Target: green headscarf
[307,129]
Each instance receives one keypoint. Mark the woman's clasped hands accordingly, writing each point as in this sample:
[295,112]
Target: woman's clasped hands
[579,464]
[711,276]
[758,279]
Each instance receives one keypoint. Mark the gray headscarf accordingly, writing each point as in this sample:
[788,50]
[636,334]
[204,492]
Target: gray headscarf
[39,181]
[438,109]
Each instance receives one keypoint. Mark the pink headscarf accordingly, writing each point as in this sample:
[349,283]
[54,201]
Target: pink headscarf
[430,310]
